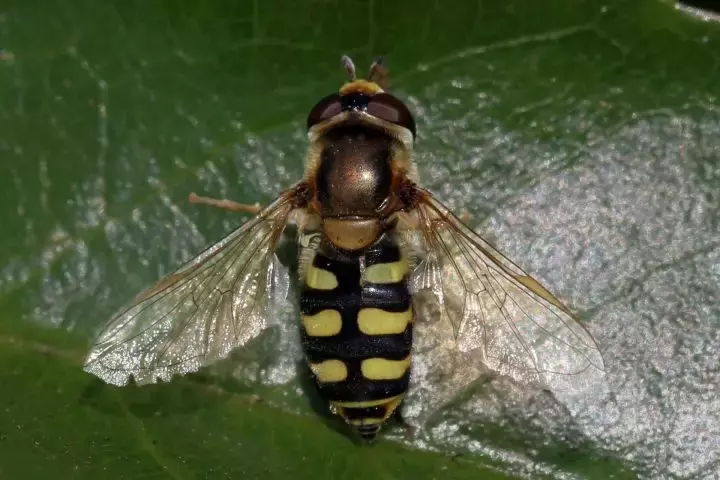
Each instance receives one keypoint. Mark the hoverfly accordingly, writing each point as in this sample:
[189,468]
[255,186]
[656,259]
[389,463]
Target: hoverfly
[374,247]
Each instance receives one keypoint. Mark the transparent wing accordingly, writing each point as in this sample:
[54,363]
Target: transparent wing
[488,314]
[216,302]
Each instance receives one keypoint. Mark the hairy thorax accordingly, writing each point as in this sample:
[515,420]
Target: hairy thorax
[354,180]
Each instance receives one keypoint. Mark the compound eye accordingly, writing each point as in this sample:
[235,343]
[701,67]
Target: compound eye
[391,109]
[326,108]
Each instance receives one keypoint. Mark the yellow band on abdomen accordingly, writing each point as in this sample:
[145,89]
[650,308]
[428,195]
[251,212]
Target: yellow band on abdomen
[321,279]
[383,369]
[375,321]
[389,404]
[329,371]
[326,323]
[367,403]
[392,272]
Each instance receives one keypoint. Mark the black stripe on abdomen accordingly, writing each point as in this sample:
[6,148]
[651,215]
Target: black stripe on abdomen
[360,413]
[348,299]
[362,389]
[392,347]
[393,297]
[358,335]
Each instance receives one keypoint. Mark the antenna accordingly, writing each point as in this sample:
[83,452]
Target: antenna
[349,66]
[376,69]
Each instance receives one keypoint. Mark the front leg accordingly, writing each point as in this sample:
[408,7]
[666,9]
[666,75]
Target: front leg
[225,204]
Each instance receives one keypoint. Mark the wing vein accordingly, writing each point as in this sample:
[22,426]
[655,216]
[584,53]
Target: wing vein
[502,318]
[212,304]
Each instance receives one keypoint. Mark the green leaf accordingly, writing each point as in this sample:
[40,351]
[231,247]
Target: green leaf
[582,137]
[58,421]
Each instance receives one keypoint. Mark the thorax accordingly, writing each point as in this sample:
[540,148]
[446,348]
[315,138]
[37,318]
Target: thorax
[353,171]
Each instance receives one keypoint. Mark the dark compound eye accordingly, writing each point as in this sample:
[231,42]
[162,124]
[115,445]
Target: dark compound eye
[390,109]
[382,105]
[326,108]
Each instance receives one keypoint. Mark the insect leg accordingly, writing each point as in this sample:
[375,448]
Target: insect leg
[224,203]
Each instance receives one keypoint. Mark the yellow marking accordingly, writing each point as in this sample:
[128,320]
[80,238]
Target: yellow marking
[321,279]
[323,324]
[329,371]
[360,86]
[369,403]
[366,421]
[387,272]
[541,291]
[374,321]
[383,369]
[390,405]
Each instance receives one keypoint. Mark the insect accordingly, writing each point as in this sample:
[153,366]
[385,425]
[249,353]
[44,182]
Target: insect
[379,254]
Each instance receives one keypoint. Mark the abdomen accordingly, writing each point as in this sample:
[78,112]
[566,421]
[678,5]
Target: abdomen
[357,330]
